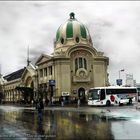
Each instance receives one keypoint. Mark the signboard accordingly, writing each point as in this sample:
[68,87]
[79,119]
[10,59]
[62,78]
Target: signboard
[51,82]
[65,94]
[119,82]
[74,91]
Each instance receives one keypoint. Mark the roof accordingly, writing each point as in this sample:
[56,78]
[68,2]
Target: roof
[14,75]
[72,28]
[113,87]
[25,89]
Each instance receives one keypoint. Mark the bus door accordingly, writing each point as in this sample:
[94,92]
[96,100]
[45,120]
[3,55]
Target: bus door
[102,94]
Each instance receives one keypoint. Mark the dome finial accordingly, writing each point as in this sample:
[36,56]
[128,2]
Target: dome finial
[72,15]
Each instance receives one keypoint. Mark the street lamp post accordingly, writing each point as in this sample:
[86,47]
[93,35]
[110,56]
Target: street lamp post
[120,73]
[119,81]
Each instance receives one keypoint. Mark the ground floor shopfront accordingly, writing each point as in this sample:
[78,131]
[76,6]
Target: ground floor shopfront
[14,93]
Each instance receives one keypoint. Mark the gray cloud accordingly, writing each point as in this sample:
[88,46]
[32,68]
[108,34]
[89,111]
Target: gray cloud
[114,28]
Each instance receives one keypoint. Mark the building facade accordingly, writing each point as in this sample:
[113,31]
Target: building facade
[11,81]
[74,67]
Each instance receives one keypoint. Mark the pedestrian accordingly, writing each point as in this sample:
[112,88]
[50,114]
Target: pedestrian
[40,107]
[78,102]
[52,100]
[47,101]
[62,101]
[32,102]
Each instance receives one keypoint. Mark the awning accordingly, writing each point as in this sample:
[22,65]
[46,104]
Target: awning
[25,89]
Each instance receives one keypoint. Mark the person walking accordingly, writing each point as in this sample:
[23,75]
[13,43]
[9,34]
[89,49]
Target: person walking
[78,102]
[52,100]
[32,103]
[47,101]
[62,101]
[40,107]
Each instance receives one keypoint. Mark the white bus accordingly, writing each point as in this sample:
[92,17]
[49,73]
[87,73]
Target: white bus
[138,90]
[112,95]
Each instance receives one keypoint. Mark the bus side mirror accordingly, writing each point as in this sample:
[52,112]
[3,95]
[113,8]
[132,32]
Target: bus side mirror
[98,92]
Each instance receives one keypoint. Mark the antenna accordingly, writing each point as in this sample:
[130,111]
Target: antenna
[28,59]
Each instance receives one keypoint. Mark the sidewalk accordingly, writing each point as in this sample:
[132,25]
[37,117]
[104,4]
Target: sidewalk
[75,108]
[137,105]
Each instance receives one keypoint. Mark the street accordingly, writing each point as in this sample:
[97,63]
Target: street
[116,122]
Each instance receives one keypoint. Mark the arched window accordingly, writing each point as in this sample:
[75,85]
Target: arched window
[85,63]
[77,39]
[62,40]
[76,64]
[80,62]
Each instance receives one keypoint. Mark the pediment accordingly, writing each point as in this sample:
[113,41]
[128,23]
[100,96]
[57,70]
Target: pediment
[29,71]
[91,51]
[42,59]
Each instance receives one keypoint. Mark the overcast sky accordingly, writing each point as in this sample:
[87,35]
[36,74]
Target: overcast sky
[114,28]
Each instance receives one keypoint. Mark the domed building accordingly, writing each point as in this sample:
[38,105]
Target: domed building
[74,67]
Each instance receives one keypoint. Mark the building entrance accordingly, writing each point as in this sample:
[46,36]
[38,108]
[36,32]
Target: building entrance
[81,95]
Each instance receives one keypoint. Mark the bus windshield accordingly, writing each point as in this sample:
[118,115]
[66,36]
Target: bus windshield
[94,94]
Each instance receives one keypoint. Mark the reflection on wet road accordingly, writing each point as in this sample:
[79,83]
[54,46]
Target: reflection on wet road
[125,123]
[17,123]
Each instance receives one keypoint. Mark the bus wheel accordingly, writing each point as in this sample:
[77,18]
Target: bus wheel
[120,104]
[130,101]
[108,103]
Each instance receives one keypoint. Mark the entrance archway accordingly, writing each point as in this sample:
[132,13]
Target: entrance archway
[27,90]
[81,95]
[29,96]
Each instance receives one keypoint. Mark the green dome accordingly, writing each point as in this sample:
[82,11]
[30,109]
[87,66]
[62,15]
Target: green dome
[72,29]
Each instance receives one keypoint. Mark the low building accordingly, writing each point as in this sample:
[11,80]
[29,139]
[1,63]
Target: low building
[12,80]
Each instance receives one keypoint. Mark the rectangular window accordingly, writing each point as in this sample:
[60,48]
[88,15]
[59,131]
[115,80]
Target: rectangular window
[120,91]
[41,72]
[45,72]
[50,70]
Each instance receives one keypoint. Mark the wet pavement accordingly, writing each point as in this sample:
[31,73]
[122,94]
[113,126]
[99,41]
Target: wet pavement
[64,123]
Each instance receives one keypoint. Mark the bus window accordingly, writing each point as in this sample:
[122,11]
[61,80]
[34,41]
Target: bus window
[108,91]
[102,94]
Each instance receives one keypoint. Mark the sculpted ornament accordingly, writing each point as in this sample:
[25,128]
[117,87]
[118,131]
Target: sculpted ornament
[82,74]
